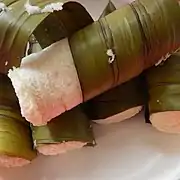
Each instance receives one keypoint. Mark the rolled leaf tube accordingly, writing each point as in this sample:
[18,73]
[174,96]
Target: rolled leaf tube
[103,55]
[64,22]
[164,95]
[154,33]
[16,145]
[71,130]
[118,104]
[123,32]
[17,25]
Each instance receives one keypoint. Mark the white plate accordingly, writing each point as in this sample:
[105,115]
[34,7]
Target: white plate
[130,150]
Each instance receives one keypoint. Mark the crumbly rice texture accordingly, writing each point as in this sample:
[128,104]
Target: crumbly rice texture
[120,117]
[56,149]
[10,162]
[47,83]
[168,122]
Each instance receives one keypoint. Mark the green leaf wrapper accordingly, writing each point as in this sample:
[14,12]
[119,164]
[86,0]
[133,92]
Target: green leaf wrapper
[124,32]
[15,133]
[72,125]
[128,95]
[16,26]
[164,85]
[108,9]
[160,30]
[72,18]
[106,53]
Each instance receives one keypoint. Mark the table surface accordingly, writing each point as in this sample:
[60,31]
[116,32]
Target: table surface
[130,150]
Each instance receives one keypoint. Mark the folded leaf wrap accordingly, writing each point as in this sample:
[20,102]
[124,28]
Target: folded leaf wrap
[16,26]
[119,103]
[141,34]
[124,97]
[106,53]
[15,134]
[71,126]
[163,85]
[164,96]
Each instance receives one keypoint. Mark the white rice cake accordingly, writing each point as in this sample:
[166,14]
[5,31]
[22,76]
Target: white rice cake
[47,83]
